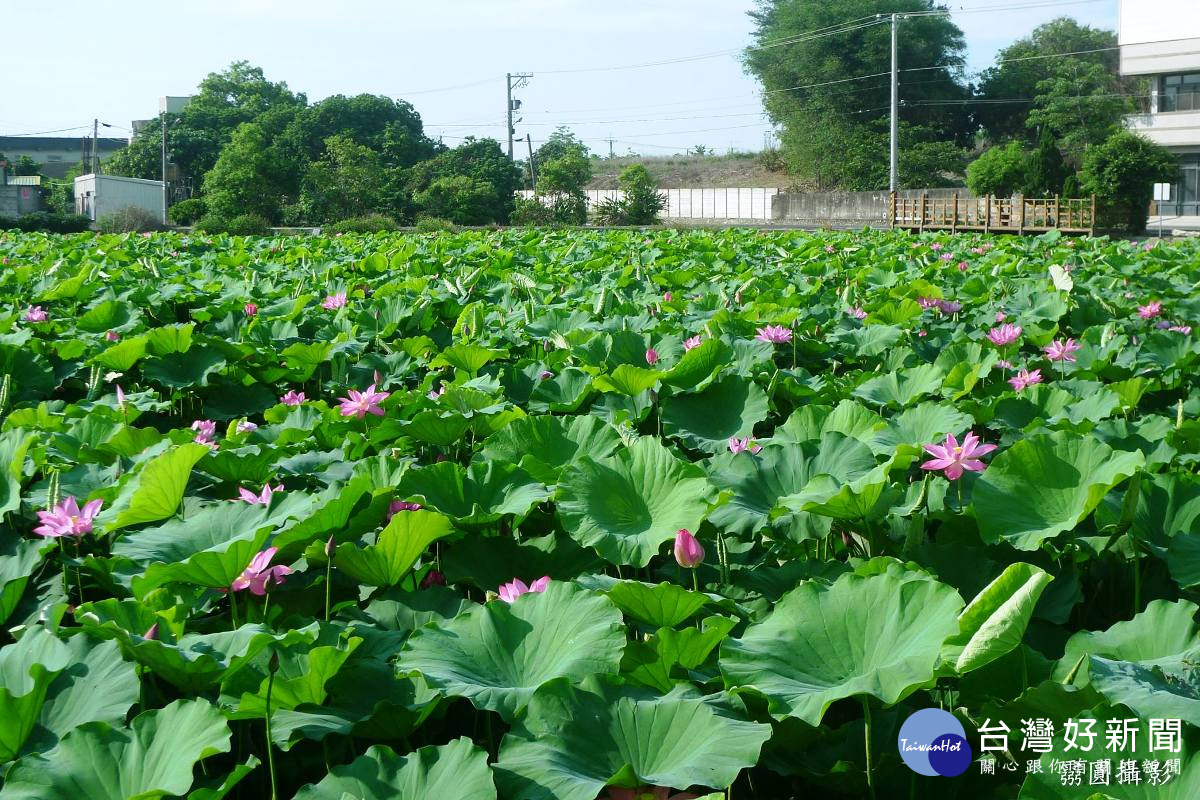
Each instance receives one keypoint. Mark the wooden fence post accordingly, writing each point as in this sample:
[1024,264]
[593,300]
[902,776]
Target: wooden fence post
[924,211]
[1021,218]
[1057,221]
[954,221]
[1092,225]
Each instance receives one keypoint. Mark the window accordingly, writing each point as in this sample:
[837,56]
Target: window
[1185,193]
[1180,92]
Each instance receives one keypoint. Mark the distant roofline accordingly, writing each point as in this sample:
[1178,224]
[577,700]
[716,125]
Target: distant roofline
[58,143]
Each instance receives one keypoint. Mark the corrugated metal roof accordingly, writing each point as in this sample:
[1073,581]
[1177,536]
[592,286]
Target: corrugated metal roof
[24,180]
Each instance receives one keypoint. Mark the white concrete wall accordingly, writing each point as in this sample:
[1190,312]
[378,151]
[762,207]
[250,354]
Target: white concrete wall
[97,196]
[1159,36]
[701,203]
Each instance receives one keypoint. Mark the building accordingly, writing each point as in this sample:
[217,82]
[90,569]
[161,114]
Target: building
[1161,41]
[18,195]
[97,196]
[56,155]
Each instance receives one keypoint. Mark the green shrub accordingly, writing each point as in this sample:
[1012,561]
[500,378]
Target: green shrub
[52,223]
[130,219]
[434,225]
[461,199]
[1122,172]
[1001,171]
[186,212]
[640,203]
[1071,187]
[371,223]
[241,225]
[7,223]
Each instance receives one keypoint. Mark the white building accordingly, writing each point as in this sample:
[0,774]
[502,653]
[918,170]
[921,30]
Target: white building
[1160,39]
[97,196]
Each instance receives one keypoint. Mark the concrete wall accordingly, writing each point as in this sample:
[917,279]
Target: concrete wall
[720,203]
[847,209]
[97,196]
[18,200]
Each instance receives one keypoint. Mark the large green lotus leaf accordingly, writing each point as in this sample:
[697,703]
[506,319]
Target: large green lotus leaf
[13,446]
[728,408]
[699,364]
[1183,559]
[18,560]
[879,635]
[397,548]
[456,770]
[653,661]
[203,528]
[627,505]
[628,380]
[1047,784]
[405,611]
[1150,691]
[864,497]
[810,423]
[1045,485]
[920,425]
[573,743]
[477,495]
[762,483]
[434,427]
[544,445]
[902,387]
[123,355]
[96,686]
[170,338]
[995,621]
[155,492]
[662,606]
[213,789]
[104,316]
[467,357]
[1162,635]
[215,568]
[185,370]
[498,655]
[27,669]
[305,666]
[154,757]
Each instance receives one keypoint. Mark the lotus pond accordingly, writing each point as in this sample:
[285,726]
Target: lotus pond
[578,515]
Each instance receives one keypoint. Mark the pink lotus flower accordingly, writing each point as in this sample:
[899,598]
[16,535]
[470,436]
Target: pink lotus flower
[112,336]
[120,398]
[434,394]
[359,404]
[334,301]
[978,251]
[651,356]
[1004,364]
[666,297]
[1186,330]
[1024,379]
[246,426]
[250,309]
[928,302]
[1000,316]
[949,306]
[963,266]
[688,551]
[397,506]
[935,246]
[952,458]
[292,398]
[643,792]
[509,592]
[152,633]
[691,342]
[857,313]
[775,334]
[263,499]
[1150,310]
[545,375]
[433,578]
[36,314]
[259,575]
[1004,335]
[737,445]
[922,333]
[947,256]
[67,519]
[205,429]
[830,248]
[1061,351]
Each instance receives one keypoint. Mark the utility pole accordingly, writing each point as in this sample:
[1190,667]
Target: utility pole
[95,147]
[894,160]
[513,81]
[532,166]
[610,148]
[165,201]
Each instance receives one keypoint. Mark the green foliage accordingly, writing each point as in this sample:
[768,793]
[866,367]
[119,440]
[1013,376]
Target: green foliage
[25,166]
[1122,172]
[834,140]
[1048,171]
[560,190]
[1001,171]
[345,182]
[560,143]
[461,199]
[245,179]
[48,222]
[434,225]
[639,204]
[369,223]
[239,225]
[131,219]
[472,184]
[186,212]
[1080,103]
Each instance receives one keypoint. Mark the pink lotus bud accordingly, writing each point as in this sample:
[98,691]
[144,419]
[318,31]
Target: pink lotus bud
[433,578]
[112,336]
[688,552]
[151,634]
[666,297]
[652,356]
[330,545]
[251,309]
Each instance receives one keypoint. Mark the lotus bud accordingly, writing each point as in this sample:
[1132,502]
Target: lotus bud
[433,578]
[273,664]
[688,552]
[652,356]
[151,634]
[329,548]
[666,297]
[250,309]
[112,336]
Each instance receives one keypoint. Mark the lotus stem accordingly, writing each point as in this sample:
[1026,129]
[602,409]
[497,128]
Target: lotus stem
[272,666]
[233,609]
[866,704]
[328,586]
[695,581]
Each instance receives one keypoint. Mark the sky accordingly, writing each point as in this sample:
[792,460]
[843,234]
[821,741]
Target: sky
[447,58]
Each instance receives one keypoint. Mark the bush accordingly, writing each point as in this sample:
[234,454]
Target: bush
[461,199]
[186,212]
[241,225]
[434,225]
[130,219]
[531,211]
[1122,172]
[371,223]
[1071,187]
[550,210]
[640,203]
[1000,171]
[52,223]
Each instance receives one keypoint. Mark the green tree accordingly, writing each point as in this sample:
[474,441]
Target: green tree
[1080,105]
[640,202]
[1002,171]
[26,166]
[823,122]
[1048,170]
[482,160]
[557,145]
[246,177]
[345,182]
[460,199]
[1025,63]
[1121,172]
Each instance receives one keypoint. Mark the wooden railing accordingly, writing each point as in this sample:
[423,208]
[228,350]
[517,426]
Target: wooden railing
[994,214]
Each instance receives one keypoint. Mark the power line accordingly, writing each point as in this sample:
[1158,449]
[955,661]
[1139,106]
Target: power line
[43,133]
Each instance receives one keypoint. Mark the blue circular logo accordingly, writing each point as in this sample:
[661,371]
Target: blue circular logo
[933,742]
